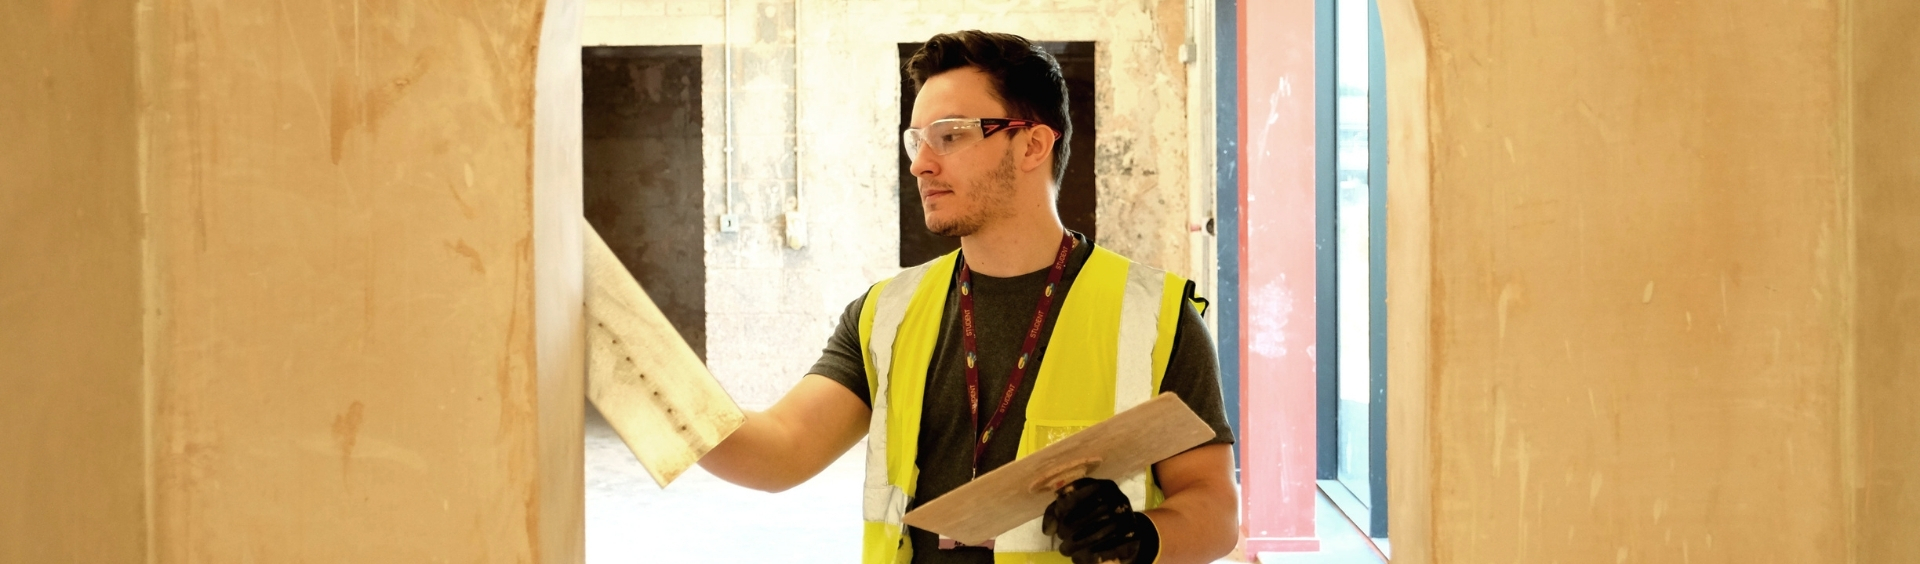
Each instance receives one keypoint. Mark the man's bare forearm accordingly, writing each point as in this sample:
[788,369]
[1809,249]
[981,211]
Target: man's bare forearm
[1199,521]
[794,440]
[755,455]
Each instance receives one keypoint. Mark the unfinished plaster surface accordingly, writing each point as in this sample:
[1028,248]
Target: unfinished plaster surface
[1410,334]
[1886,152]
[362,319]
[845,159]
[70,341]
[1638,238]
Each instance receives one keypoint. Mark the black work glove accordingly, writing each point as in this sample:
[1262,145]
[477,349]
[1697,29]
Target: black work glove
[1094,523]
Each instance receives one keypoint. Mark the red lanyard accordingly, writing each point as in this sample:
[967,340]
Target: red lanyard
[1026,350]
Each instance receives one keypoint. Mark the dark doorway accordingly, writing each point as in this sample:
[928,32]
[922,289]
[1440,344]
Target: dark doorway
[1077,191]
[643,163]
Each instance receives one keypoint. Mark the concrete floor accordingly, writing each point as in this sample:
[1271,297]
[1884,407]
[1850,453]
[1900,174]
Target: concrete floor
[1340,541]
[702,519]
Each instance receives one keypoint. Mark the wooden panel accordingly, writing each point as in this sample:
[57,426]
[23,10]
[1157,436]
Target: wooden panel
[643,377]
[72,449]
[1008,497]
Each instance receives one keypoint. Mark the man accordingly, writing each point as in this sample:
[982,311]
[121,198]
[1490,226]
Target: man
[947,368]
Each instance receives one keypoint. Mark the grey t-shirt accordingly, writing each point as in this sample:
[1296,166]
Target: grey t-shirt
[1003,307]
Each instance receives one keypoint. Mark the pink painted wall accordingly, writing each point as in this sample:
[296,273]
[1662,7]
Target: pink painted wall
[1277,275]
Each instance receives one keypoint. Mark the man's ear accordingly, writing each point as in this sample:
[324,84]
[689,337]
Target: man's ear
[1038,148]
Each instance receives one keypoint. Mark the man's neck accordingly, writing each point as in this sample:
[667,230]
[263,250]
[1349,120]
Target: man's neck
[1013,250]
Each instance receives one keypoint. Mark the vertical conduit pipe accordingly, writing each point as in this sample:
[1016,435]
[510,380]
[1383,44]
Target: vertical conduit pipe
[798,199]
[726,45]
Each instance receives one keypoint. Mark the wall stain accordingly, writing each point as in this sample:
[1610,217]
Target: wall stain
[371,105]
[346,433]
[466,175]
[461,248]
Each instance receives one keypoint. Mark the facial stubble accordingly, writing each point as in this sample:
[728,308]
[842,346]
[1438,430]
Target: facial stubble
[994,199]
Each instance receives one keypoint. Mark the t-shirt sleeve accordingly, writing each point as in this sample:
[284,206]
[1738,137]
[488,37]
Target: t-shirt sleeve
[841,360]
[1193,373]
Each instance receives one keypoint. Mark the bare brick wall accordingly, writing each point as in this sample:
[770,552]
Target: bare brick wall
[770,307]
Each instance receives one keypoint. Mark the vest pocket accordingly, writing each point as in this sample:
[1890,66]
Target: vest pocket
[1039,433]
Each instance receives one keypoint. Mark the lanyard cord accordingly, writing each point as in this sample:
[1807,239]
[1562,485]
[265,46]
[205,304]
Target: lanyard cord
[1026,350]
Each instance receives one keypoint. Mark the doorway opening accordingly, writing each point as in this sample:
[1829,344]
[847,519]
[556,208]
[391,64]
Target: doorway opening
[642,164]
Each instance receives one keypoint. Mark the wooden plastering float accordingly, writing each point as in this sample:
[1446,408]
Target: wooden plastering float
[643,377]
[1017,493]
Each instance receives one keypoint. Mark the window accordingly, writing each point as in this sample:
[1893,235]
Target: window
[1352,258]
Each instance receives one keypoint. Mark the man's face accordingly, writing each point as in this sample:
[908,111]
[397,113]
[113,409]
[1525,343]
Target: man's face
[967,189]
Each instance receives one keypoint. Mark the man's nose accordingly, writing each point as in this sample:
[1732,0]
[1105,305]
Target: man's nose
[923,162]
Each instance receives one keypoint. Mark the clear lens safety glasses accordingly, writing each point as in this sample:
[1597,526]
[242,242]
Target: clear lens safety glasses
[949,135]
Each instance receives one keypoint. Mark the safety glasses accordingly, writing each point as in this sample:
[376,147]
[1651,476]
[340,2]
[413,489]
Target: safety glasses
[949,135]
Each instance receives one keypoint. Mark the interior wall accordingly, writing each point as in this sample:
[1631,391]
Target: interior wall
[644,188]
[841,175]
[1639,276]
[364,305]
[1411,458]
[1886,172]
[70,385]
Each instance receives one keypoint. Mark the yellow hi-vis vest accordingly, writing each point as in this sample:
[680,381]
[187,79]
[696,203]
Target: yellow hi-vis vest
[1108,352]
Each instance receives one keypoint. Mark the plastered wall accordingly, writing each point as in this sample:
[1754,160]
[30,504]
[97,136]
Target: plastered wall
[1647,296]
[71,456]
[1886,172]
[347,352]
[845,162]
[297,282]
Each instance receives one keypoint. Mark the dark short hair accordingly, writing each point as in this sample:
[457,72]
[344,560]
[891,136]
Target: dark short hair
[1024,77]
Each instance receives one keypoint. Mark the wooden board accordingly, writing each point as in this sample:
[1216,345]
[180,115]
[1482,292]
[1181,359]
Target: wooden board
[642,375]
[1007,497]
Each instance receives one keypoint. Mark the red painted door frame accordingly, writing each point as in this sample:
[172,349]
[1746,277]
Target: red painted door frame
[1277,275]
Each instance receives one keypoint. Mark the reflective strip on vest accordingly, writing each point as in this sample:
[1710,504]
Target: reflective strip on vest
[1139,327]
[885,502]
